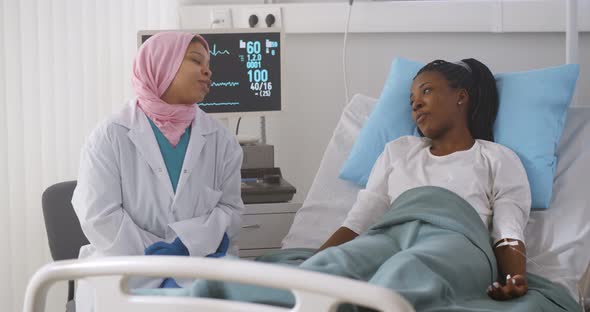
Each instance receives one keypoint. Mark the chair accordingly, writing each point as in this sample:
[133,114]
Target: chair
[63,228]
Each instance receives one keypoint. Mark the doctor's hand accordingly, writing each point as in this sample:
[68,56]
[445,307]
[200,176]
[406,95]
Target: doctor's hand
[176,248]
[222,249]
[169,283]
[515,287]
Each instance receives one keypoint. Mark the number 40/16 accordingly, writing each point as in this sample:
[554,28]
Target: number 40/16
[259,86]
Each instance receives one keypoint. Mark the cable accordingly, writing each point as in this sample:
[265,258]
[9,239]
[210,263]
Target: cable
[582,299]
[344,51]
[583,286]
[238,125]
[581,293]
[263,129]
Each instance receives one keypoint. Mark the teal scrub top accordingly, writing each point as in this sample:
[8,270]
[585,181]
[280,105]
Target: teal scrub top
[173,157]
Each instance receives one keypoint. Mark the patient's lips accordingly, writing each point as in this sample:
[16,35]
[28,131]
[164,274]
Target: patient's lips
[420,117]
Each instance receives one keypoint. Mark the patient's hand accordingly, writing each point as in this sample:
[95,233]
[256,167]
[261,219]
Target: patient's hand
[514,287]
[341,236]
[511,260]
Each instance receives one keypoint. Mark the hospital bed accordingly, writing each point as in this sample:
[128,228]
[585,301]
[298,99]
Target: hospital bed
[558,241]
[558,238]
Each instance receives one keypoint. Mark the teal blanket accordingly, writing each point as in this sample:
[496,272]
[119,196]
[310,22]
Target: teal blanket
[431,247]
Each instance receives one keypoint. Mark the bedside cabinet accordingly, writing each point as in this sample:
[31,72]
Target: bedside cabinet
[264,226]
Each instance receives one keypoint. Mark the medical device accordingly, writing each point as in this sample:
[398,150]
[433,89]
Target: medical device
[247,79]
[246,68]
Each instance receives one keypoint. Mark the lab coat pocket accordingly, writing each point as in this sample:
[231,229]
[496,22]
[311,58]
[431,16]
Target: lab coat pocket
[207,199]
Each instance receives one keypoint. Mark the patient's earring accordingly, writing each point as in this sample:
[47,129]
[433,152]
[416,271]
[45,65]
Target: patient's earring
[459,102]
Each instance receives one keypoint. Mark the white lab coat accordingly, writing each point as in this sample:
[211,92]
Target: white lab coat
[125,201]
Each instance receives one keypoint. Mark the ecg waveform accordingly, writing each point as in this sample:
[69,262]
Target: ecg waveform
[219,104]
[225,84]
[214,51]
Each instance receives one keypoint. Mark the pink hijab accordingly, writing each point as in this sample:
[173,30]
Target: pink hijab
[154,68]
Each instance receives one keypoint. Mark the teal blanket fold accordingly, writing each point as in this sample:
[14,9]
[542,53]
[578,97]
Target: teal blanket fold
[431,247]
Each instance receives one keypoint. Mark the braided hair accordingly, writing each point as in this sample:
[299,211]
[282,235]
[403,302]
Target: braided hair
[477,79]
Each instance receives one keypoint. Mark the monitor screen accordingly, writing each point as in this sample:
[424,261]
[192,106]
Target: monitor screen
[246,68]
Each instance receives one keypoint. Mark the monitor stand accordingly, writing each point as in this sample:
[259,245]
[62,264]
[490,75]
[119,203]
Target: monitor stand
[225,122]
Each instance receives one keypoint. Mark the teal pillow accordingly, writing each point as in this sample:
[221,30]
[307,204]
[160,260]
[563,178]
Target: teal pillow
[390,119]
[531,116]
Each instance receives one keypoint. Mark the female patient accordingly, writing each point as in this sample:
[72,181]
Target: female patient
[454,106]
[161,177]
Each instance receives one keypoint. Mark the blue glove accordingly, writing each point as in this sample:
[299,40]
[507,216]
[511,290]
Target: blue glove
[222,249]
[169,283]
[176,248]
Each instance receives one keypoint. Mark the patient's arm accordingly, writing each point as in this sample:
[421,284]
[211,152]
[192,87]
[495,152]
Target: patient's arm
[511,208]
[341,236]
[511,261]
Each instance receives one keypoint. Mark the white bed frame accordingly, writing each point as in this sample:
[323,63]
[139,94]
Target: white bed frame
[313,291]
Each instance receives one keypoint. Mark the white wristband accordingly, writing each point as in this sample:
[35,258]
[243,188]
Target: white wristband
[507,243]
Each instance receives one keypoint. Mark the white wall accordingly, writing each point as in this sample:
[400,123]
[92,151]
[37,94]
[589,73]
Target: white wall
[315,92]
[507,35]
[400,16]
[64,66]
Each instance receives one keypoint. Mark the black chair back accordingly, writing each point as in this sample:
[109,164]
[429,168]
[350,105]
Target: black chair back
[63,228]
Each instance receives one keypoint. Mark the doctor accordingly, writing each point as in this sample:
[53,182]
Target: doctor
[161,177]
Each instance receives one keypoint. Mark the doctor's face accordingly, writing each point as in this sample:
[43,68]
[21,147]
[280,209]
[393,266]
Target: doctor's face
[193,79]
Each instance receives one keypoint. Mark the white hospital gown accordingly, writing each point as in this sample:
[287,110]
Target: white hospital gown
[488,176]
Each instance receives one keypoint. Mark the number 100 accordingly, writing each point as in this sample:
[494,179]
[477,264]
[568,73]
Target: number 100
[258,75]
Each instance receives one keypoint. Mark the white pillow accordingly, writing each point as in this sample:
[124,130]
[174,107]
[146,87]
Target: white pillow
[558,238]
[329,199]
